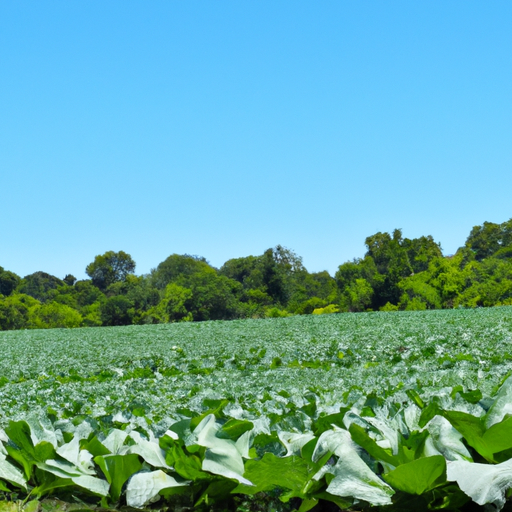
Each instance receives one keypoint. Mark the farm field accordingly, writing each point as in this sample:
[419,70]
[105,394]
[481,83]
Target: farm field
[335,408]
[102,371]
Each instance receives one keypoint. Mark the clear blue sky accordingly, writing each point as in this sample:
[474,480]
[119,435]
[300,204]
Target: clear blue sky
[223,128]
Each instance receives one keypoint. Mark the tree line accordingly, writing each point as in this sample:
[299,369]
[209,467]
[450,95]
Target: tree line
[396,273]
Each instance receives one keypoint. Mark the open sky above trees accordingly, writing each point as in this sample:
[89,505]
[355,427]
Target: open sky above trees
[224,128]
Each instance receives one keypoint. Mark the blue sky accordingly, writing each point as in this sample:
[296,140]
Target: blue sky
[223,128]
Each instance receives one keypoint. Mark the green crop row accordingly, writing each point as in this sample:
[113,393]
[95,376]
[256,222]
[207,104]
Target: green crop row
[374,452]
[162,368]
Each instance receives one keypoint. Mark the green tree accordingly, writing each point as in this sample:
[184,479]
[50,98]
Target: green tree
[364,268]
[8,281]
[450,277]
[173,306]
[15,311]
[116,310]
[82,295]
[92,314]
[177,268]
[421,251]
[70,279]
[110,268]
[308,306]
[417,289]
[87,294]
[392,262]
[53,315]
[139,290]
[490,283]
[489,238]
[277,277]
[214,297]
[357,296]
[244,270]
[40,285]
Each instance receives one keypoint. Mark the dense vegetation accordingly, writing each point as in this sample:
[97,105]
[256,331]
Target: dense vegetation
[394,411]
[396,273]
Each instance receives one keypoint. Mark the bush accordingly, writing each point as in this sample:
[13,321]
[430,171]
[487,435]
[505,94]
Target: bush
[389,307]
[307,307]
[331,308]
[117,310]
[276,313]
[54,315]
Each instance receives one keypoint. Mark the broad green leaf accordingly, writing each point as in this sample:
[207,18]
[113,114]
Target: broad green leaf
[499,437]
[470,427]
[150,451]
[293,441]
[41,429]
[412,447]
[473,397]
[114,442]
[446,440]
[18,433]
[352,477]
[186,465]
[222,456]
[502,405]
[117,470]
[144,487]
[234,428]
[92,484]
[271,472]
[415,397]
[418,476]
[11,474]
[81,458]
[429,412]
[496,439]
[326,422]
[95,447]
[60,468]
[483,483]
[22,449]
[361,438]
[221,463]
[50,484]
[44,451]
[55,477]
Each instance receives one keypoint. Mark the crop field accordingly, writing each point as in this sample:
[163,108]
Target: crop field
[389,410]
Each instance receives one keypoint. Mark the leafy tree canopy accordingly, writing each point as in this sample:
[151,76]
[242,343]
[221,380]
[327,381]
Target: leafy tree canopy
[178,267]
[40,285]
[489,238]
[117,310]
[110,268]
[8,281]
